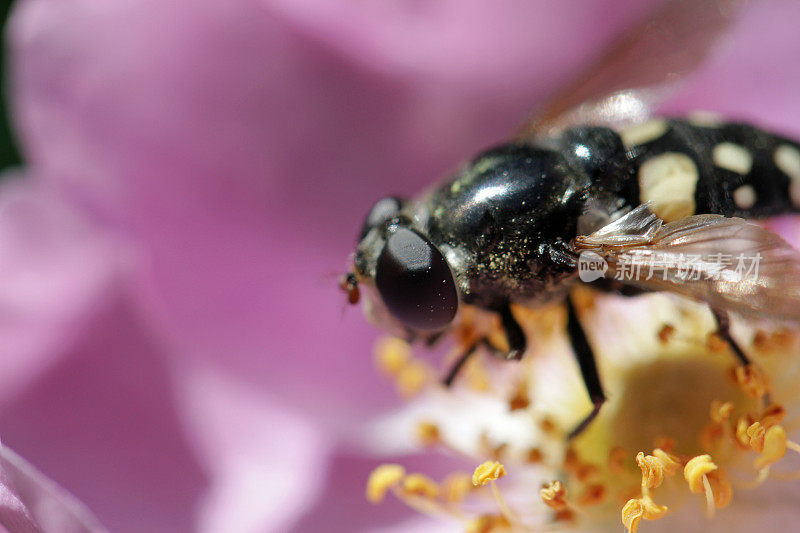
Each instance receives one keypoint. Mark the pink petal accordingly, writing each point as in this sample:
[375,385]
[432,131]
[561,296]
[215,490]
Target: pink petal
[751,75]
[266,464]
[242,142]
[55,271]
[31,502]
[103,423]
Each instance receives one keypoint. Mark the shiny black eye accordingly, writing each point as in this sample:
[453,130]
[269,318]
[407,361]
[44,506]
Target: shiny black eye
[383,209]
[415,282]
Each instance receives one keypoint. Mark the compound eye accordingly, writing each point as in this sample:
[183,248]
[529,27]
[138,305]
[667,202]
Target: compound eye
[415,282]
[383,209]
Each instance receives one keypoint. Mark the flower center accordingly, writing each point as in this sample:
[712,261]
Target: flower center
[671,398]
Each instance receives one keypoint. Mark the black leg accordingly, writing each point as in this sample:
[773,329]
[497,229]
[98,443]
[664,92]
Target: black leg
[433,339]
[459,364]
[585,356]
[517,342]
[724,330]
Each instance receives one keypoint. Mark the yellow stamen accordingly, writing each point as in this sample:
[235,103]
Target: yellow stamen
[488,471]
[455,487]
[428,433]
[666,333]
[420,485]
[382,479]
[391,355]
[742,437]
[476,376]
[564,515]
[715,343]
[488,524]
[520,399]
[721,489]
[652,511]
[571,461]
[710,436]
[534,455]
[554,495]
[547,425]
[751,380]
[616,459]
[665,443]
[592,495]
[652,470]
[632,514]
[773,414]
[756,433]
[696,469]
[710,507]
[721,411]
[773,447]
[669,462]
[704,476]
[772,342]
[586,471]
[763,475]
[502,505]
[413,377]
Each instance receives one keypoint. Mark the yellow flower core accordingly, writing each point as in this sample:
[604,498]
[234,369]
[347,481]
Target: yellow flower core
[681,416]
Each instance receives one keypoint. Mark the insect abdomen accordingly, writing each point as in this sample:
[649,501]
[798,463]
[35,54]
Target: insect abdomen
[697,166]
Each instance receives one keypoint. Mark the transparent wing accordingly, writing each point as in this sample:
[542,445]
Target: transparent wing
[639,71]
[729,263]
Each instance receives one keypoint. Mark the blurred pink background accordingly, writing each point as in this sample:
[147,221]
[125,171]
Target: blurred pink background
[175,352]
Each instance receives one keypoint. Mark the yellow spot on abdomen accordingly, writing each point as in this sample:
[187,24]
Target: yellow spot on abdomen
[669,181]
[732,157]
[787,158]
[643,133]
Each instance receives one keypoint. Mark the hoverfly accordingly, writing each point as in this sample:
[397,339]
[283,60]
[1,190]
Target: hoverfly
[603,178]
